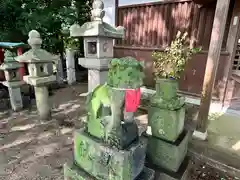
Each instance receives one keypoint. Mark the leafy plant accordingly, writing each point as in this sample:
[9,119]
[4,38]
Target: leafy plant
[171,62]
[125,72]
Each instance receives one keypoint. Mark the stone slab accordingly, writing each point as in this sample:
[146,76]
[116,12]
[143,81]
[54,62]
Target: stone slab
[166,154]
[163,174]
[73,172]
[100,160]
[39,81]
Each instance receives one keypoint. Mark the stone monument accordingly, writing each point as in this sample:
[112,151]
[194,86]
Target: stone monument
[109,146]
[167,139]
[40,67]
[98,44]
[12,79]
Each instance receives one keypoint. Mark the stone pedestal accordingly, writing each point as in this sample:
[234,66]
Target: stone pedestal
[73,172]
[167,139]
[107,162]
[71,69]
[167,155]
[15,94]
[42,102]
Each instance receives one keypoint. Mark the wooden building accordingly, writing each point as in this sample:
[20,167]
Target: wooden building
[151,25]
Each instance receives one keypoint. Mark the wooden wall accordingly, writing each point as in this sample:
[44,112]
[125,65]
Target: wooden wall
[153,26]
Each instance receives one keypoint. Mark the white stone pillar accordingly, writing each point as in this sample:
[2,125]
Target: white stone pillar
[15,98]
[42,102]
[59,69]
[71,69]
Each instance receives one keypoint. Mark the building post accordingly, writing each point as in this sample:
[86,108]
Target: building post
[219,26]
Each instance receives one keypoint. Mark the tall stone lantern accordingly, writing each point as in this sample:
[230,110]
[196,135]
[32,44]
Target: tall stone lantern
[12,79]
[98,44]
[40,67]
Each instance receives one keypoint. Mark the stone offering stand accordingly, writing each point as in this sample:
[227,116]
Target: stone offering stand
[167,138]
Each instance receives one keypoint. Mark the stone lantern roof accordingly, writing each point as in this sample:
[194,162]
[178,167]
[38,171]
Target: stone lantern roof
[36,54]
[9,61]
[97,27]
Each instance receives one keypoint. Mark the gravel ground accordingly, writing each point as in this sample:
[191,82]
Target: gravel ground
[201,171]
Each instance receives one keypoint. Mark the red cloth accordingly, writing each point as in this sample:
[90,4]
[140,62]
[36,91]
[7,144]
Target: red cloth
[132,100]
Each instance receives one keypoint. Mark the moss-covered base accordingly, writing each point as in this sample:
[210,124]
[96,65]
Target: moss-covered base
[72,172]
[166,154]
[105,162]
[166,124]
[163,174]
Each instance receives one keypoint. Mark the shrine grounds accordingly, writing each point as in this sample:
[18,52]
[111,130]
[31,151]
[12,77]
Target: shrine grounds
[34,150]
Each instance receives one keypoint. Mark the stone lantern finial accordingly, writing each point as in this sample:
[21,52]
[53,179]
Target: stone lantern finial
[98,13]
[34,39]
[9,56]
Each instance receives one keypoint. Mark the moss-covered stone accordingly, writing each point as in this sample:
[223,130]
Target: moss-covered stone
[72,172]
[166,124]
[167,155]
[104,162]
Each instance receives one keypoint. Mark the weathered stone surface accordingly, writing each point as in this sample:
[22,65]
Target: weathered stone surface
[166,124]
[39,81]
[163,174]
[15,98]
[72,172]
[104,162]
[106,119]
[165,154]
[42,101]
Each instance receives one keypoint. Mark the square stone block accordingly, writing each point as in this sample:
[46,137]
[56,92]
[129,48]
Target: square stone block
[163,174]
[165,154]
[72,172]
[104,162]
[166,124]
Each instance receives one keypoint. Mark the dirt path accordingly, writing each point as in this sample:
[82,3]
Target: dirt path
[31,150]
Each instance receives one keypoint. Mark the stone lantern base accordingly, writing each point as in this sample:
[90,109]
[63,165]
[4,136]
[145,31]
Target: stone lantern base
[15,94]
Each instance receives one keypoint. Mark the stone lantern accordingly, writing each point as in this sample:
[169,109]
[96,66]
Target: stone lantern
[98,44]
[12,79]
[40,67]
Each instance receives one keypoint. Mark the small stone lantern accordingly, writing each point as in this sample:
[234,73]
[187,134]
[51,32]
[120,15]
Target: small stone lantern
[13,81]
[98,44]
[40,67]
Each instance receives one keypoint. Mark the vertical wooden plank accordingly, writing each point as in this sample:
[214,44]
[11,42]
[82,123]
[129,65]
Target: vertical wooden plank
[201,26]
[165,26]
[145,26]
[128,26]
[135,26]
[218,30]
[160,24]
[141,33]
[155,24]
[194,27]
[150,27]
[131,25]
